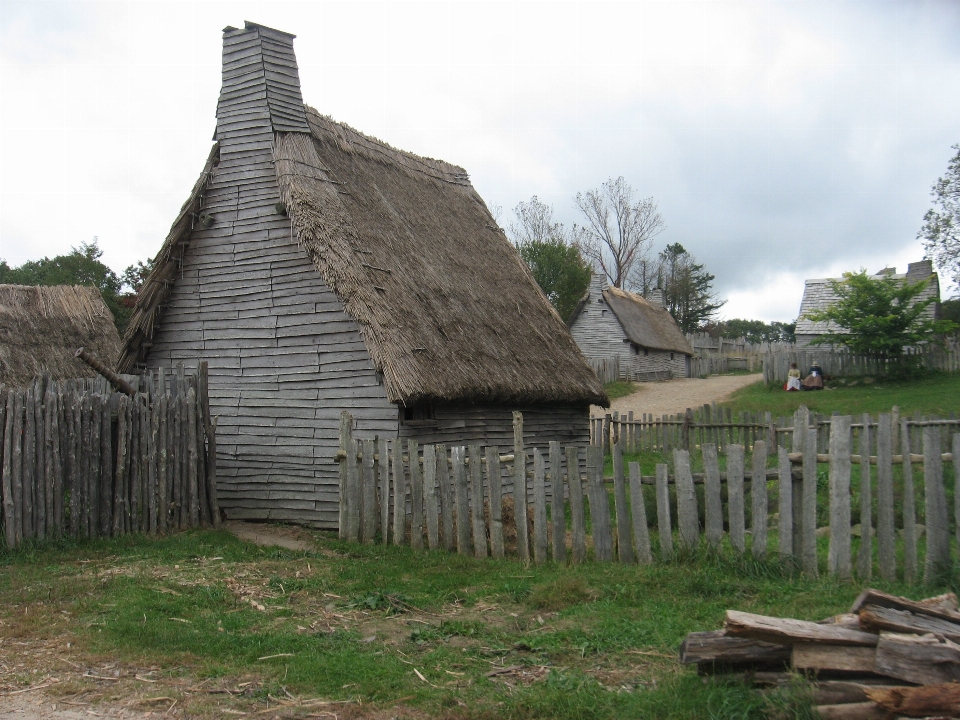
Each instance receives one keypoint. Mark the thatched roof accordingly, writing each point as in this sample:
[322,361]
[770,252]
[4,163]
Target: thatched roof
[42,327]
[447,308]
[646,324]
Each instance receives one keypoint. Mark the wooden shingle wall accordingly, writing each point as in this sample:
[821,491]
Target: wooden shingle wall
[284,357]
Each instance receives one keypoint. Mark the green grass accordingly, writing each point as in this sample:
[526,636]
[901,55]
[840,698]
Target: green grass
[619,389]
[594,641]
[935,394]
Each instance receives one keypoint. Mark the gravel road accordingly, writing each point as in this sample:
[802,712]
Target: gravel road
[675,396]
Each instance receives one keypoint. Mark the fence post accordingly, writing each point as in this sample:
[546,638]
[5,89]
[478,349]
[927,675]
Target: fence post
[346,425]
[476,502]
[839,558]
[686,501]
[368,501]
[935,503]
[886,536]
[577,519]
[9,524]
[641,534]
[956,476]
[540,534]
[663,512]
[909,509]
[496,502]
[865,556]
[399,492]
[383,470]
[430,495]
[599,507]
[520,486]
[735,504]
[416,493]
[624,546]
[758,496]
[785,497]
[685,430]
[556,505]
[711,492]
[460,500]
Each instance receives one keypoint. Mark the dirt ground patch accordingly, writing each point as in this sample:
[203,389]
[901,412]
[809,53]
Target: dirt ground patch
[675,396]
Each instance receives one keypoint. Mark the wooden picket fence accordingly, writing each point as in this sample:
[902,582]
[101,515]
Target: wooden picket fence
[455,499]
[645,432]
[840,363]
[80,459]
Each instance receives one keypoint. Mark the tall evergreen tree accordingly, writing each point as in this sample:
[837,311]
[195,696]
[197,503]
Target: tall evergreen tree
[687,288]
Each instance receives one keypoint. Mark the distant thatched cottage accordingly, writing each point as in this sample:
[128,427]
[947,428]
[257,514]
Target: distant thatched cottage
[610,322]
[42,327]
[819,295]
[318,270]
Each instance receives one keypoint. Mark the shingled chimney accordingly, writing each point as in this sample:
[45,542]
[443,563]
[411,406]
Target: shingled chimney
[260,94]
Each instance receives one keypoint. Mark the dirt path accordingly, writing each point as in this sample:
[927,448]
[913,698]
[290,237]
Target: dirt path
[675,396]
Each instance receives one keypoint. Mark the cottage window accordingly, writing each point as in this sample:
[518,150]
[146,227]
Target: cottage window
[420,411]
[646,351]
[671,356]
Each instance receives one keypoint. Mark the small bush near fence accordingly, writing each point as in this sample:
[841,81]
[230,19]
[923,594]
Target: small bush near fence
[456,498]
[79,459]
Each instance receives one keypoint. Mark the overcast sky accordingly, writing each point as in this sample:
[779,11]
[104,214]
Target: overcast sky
[781,140]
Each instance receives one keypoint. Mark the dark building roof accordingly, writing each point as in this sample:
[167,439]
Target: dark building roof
[447,308]
[42,327]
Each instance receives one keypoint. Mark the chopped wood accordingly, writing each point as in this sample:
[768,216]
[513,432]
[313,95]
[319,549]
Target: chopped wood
[923,659]
[852,711]
[918,701]
[713,646]
[942,606]
[840,692]
[788,630]
[876,618]
[843,658]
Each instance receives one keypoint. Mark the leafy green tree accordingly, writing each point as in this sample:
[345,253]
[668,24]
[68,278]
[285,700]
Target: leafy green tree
[755,331]
[941,224]
[81,266]
[556,264]
[880,317]
[687,288]
[950,310]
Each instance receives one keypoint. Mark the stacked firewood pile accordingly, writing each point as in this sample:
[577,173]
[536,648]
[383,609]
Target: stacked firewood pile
[888,657]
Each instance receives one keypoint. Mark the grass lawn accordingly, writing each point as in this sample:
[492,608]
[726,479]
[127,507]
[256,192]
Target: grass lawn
[217,624]
[620,388]
[935,394]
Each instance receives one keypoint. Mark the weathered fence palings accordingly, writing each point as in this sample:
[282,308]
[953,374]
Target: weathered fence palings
[556,482]
[126,464]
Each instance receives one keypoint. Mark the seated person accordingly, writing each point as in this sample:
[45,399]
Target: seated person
[813,381]
[793,378]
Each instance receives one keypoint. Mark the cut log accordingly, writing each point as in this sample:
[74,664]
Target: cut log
[841,692]
[845,658]
[789,631]
[921,659]
[852,711]
[942,606]
[919,701]
[713,647]
[876,618]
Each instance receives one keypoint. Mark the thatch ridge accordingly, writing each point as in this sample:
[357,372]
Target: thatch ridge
[41,328]
[448,310]
[645,323]
[156,289]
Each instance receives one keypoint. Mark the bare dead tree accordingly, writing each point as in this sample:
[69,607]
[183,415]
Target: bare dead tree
[535,223]
[619,229]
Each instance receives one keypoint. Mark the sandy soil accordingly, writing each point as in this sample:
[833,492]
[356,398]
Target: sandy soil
[675,396]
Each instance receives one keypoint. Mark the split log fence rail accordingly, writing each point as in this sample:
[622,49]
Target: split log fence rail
[81,459]
[454,498]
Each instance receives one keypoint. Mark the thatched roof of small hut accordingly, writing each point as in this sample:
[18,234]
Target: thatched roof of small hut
[646,324]
[447,308]
[42,327]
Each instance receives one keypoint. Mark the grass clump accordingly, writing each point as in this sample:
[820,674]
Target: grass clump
[561,593]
